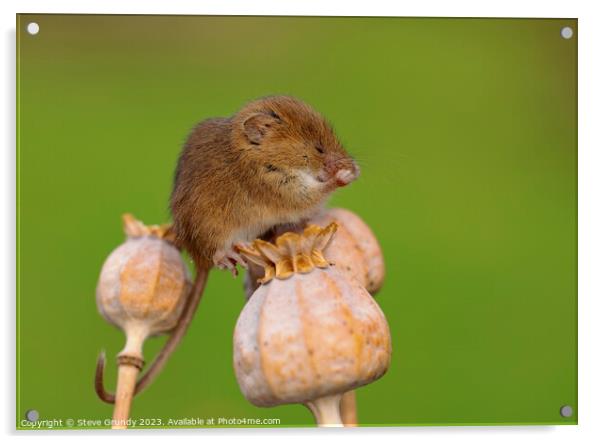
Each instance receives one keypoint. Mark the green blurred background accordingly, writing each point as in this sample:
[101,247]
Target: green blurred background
[466,131]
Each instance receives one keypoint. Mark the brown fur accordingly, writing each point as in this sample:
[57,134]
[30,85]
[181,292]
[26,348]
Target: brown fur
[239,176]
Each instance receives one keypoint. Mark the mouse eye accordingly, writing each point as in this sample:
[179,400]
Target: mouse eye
[319,149]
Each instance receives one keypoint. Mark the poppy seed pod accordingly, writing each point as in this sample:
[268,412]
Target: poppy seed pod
[144,282]
[309,333]
[355,249]
[142,289]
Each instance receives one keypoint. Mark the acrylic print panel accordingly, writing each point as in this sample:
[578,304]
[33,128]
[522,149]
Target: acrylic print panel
[466,134]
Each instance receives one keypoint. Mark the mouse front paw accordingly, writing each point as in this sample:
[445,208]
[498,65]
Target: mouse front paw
[228,259]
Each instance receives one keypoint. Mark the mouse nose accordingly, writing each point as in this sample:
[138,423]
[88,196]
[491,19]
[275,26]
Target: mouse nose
[347,173]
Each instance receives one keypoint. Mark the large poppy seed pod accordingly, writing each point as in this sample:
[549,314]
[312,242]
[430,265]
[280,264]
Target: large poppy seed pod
[142,289]
[309,333]
[354,250]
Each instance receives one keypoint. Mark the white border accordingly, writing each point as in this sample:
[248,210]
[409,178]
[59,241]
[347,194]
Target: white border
[590,211]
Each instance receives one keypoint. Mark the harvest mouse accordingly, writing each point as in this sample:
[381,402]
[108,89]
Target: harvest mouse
[273,163]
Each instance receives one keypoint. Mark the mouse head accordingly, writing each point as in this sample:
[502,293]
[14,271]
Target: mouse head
[294,145]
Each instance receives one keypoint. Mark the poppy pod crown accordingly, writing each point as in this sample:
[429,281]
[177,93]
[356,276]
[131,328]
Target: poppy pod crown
[291,253]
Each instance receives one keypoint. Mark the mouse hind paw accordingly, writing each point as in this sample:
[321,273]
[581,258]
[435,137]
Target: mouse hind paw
[228,259]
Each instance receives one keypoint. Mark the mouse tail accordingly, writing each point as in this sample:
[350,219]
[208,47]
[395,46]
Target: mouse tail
[175,338]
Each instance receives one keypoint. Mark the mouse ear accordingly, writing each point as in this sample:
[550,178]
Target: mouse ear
[257,125]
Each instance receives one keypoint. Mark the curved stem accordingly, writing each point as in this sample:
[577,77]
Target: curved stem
[326,410]
[349,409]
